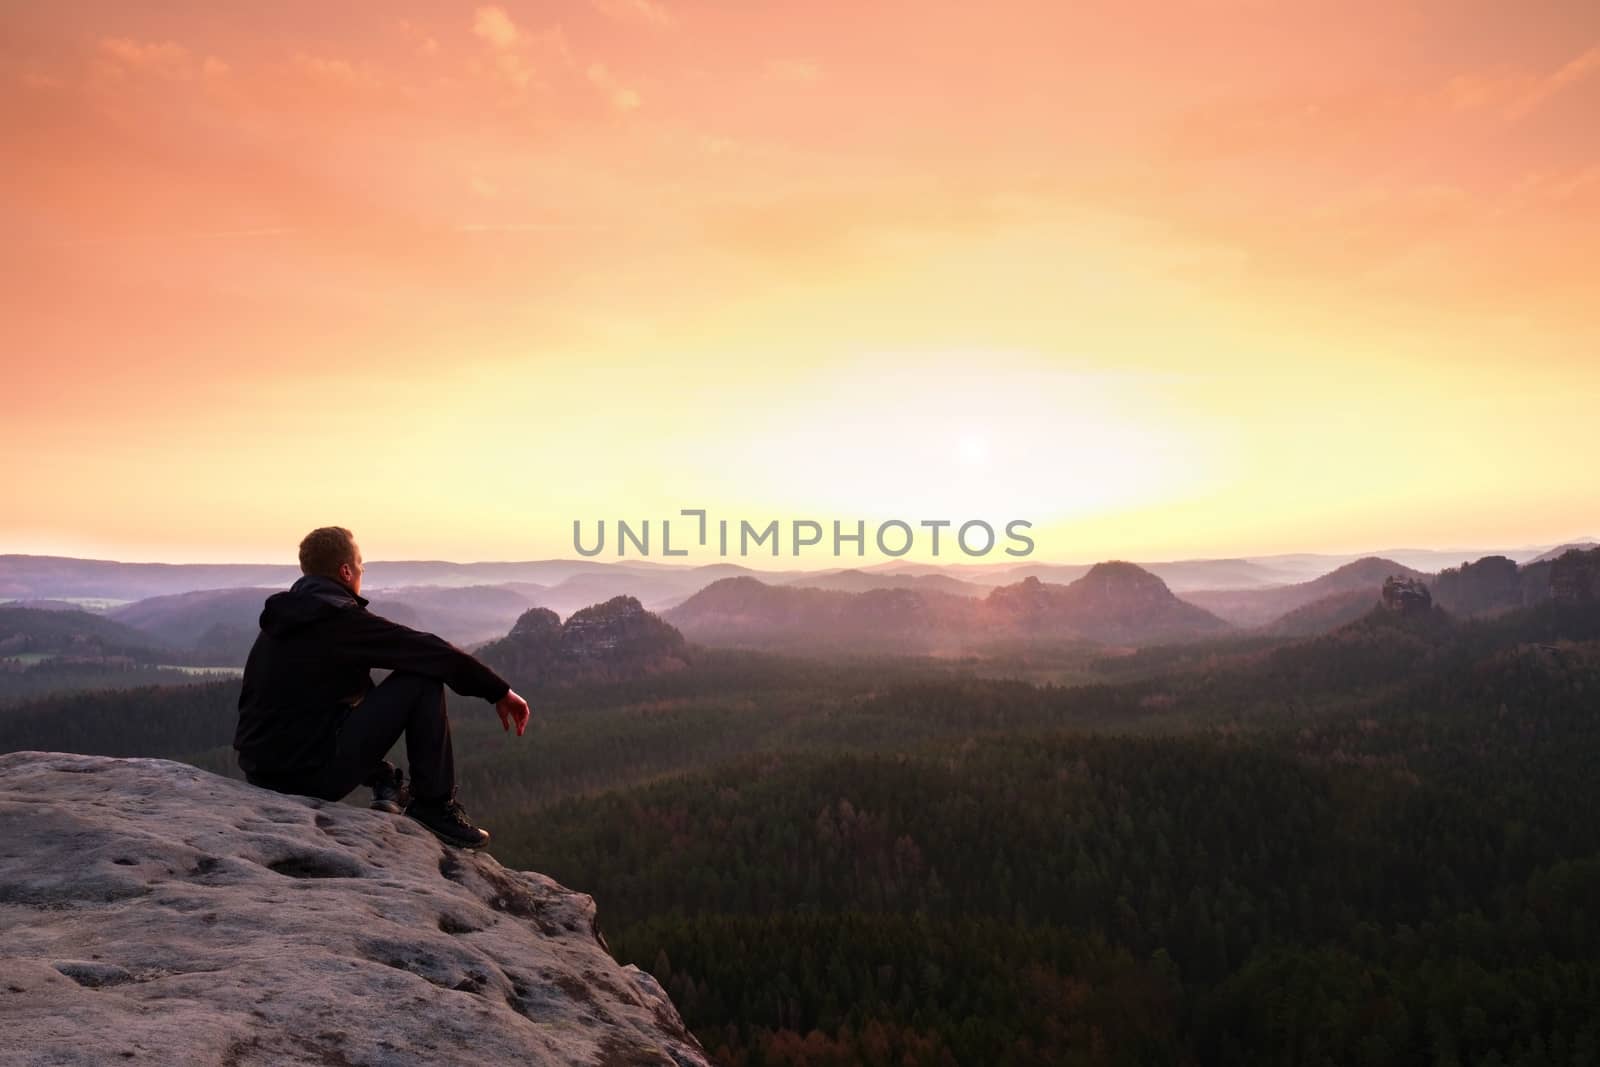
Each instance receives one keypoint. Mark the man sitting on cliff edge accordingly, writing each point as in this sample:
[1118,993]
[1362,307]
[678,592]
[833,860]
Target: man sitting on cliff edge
[312,722]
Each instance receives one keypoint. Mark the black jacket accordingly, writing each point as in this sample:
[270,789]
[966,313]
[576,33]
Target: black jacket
[308,669]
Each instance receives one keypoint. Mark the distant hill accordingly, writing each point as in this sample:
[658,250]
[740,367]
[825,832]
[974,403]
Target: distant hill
[1179,575]
[463,615]
[46,605]
[219,625]
[614,641]
[1328,613]
[1493,583]
[1112,603]
[31,633]
[1053,573]
[180,619]
[1573,576]
[856,580]
[1258,607]
[1115,602]
[655,589]
[572,583]
[747,613]
[61,576]
[1184,575]
[1561,550]
[1496,584]
[1488,586]
[35,577]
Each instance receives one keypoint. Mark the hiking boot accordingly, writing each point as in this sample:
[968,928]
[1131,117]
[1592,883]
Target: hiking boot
[448,822]
[393,795]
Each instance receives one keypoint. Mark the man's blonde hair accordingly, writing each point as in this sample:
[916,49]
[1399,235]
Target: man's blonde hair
[324,549]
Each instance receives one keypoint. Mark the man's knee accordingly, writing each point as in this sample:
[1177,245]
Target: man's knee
[420,683]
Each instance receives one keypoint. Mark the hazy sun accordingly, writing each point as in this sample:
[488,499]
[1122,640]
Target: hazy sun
[972,450]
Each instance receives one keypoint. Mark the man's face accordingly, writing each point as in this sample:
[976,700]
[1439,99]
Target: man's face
[350,573]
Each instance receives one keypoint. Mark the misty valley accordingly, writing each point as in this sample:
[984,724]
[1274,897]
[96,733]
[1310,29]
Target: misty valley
[1285,810]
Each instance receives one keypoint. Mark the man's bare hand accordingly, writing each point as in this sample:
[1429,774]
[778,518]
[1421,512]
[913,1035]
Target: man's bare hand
[513,709]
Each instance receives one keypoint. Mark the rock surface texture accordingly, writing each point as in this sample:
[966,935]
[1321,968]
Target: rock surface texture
[151,912]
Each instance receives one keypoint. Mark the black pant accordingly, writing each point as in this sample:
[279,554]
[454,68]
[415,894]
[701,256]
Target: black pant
[403,703]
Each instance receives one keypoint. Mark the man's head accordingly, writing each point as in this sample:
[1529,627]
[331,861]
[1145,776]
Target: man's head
[332,552]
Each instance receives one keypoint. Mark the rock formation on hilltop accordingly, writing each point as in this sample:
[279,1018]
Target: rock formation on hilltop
[609,642]
[154,913]
[1408,596]
[1575,576]
[536,626]
[1490,584]
[1495,584]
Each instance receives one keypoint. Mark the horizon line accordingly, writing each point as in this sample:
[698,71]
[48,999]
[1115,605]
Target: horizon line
[1537,546]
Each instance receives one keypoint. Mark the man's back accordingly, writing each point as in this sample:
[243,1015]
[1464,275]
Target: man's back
[310,666]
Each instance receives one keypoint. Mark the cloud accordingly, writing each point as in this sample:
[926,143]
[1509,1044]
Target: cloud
[794,71]
[622,98]
[1357,115]
[647,12]
[40,80]
[337,71]
[521,58]
[174,236]
[824,226]
[142,54]
[492,24]
[1517,94]
[1231,128]
[532,227]
[161,59]
[1559,186]
[424,44]
[514,69]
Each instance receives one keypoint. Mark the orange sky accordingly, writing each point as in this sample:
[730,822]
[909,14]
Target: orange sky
[1191,278]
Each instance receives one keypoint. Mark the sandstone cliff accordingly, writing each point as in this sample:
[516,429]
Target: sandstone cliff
[155,913]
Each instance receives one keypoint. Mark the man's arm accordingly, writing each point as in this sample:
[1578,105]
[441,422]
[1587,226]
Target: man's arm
[369,640]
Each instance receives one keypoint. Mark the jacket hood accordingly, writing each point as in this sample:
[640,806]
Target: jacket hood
[310,598]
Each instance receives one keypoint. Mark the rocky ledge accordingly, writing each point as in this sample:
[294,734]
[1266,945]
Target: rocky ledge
[152,912]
